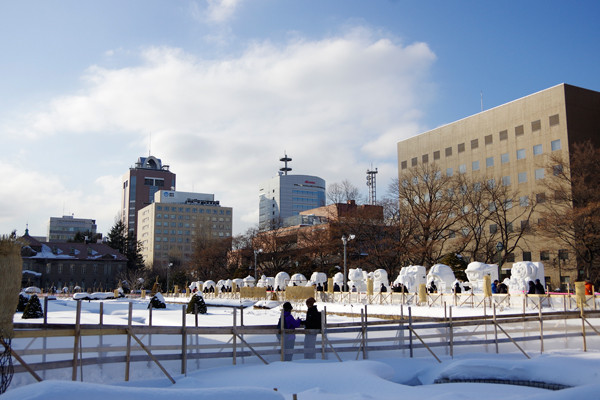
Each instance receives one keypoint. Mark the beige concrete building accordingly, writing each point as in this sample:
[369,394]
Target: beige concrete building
[510,144]
[168,227]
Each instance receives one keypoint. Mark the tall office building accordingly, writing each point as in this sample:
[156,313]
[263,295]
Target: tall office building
[140,183]
[63,229]
[510,143]
[286,195]
[168,227]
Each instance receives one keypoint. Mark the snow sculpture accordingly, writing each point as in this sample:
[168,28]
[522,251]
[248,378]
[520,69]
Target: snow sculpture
[357,279]
[198,285]
[522,272]
[338,278]
[380,276]
[281,280]
[249,281]
[317,278]
[209,286]
[443,277]
[238,282]
[411,277]
[477,270]
[265,281]
[297,280]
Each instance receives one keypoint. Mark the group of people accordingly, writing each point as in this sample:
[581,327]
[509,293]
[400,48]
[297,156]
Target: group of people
[311,323]
[536,288]
[500,287]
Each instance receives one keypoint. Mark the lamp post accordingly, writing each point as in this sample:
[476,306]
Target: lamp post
[499,247]
[168,268]
[345,241]
[255,256]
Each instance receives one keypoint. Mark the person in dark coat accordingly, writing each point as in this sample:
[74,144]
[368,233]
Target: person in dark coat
[432,288]
[383,288]
[312,321]
[457,288]
[502,288]
[495,286]
[289,322]
[531,288]
[539,288]
[336,287]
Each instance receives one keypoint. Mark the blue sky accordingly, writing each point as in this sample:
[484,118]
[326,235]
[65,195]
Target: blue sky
[220,89]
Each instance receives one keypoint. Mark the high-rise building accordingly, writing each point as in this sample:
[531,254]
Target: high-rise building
[140,183]
[286,195]
[510,144]
[63,229]
[169,226]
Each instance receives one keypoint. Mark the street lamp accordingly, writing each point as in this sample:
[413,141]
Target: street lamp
[168,268]
[255,256]
[499,247]
[345,241]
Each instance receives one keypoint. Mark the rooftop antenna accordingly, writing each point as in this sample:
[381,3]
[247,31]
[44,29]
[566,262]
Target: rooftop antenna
[481,95]
[372,184]
[285,160]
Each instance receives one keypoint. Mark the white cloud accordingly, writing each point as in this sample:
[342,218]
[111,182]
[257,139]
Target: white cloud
[215,11]
[336,105]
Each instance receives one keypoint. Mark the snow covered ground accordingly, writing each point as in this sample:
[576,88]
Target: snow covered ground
[380,377]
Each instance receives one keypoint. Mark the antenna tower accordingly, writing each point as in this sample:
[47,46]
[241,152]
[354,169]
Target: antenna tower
[285,160]
[372,184]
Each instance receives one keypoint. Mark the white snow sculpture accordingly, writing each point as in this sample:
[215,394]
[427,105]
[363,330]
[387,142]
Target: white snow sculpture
[443,277]
[281,280]
[206,286]
[356,278]
[338,278]
[239,282]
[297,280]
[249,281]
[221,285]
[476,271]
[317,278]
[411,277]
[380,276]
[522,272]
[265,281]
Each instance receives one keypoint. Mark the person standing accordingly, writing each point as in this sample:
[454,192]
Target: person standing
[313,321]
[289,339]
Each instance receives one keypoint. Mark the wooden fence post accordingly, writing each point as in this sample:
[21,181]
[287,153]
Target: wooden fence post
[183,340]
[76,340]
[234,338]
[410,332]
[451,334]
[128,354]
[541,330]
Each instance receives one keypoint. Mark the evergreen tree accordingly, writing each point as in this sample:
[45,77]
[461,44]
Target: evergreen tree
[196,303]
[33,309]
[157,301]
[119,238]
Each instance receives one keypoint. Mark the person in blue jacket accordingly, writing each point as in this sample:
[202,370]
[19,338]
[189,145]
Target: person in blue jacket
[289,339]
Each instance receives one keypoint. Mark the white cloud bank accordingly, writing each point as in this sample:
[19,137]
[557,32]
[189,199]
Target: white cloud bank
[336,105]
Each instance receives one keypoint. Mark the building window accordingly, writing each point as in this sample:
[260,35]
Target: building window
[475,165]
[508,204]
[489,139]
[503,135]
[544,255]
[462,169]
[520,154]
[448,151]
[403,165]
[539,173]
[436,155]
[461,147]
[474,144]
[540,197]
[506,180]
[519,131]
[522,177]
[536,125]
[504,158]
[493,228]
[563,254]
[524,201]
[554,120]
[449,171]
[489,162]
[526,256]
[557,170]
[555,145]
[425,158]
[537,149]
[413,162]
[491,183]
[510,257]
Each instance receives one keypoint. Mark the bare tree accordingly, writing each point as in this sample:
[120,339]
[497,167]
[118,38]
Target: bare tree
[423,192]
[342,192]
[571,212]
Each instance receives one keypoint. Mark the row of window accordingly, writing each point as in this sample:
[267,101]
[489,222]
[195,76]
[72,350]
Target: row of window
[489,139]
[194,210]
